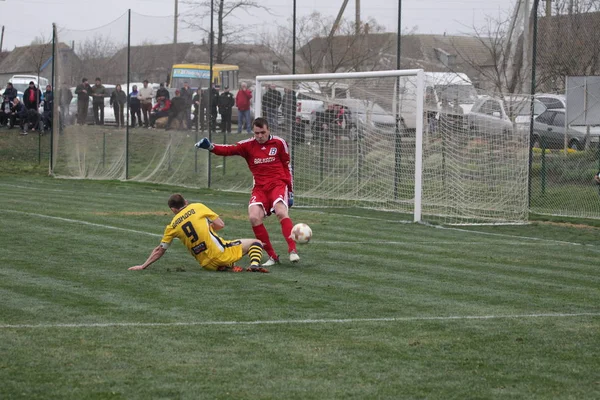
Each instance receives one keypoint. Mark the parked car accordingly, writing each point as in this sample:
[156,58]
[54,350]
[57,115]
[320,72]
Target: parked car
[552,101]
[358,115]
[549,130]
[503,116]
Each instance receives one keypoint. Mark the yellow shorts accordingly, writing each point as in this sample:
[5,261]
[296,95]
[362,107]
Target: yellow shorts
[229,256]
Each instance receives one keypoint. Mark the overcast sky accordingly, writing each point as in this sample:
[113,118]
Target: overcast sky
[25,19]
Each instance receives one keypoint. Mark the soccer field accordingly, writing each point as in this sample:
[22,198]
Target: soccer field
[376,309]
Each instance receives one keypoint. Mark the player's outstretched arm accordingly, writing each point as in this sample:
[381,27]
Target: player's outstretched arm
[156,254]
[205,144]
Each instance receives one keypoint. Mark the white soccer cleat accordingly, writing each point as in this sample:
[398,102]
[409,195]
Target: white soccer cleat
[270,262]
[294,257]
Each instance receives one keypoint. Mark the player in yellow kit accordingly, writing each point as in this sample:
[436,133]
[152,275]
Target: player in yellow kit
[196,225]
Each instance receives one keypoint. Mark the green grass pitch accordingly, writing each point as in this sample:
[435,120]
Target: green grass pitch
[376,309]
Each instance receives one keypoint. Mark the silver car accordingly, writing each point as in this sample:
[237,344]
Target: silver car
[549,130]
[501,116]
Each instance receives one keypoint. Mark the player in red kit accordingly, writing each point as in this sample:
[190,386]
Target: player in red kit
[268,158]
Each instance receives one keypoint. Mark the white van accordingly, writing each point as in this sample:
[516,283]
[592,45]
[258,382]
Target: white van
[21,82]
[452,86]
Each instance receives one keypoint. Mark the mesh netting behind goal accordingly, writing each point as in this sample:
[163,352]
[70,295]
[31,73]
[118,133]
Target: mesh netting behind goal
[360,139]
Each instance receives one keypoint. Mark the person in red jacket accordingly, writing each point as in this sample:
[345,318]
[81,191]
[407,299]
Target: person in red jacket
[268,158]
[242,102]
[160,109]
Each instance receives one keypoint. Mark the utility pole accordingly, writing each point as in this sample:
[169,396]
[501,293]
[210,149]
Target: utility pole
[175,22]
[357,29]
[331,34]
[2,39]
[176,17]
[548,8]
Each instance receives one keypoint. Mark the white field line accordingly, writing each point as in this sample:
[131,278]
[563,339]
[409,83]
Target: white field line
[536,241]
[297,321]
[76,221]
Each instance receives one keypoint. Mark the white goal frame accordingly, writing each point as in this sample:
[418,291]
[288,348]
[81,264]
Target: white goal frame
[420,94]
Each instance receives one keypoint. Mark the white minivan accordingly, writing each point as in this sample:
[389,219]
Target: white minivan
[452,86]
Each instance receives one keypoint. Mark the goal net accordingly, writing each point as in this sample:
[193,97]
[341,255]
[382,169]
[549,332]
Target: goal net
[380,140]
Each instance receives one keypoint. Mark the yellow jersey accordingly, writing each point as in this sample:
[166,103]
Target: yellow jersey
[191,225]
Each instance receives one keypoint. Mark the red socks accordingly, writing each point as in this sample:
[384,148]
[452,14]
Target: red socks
[286,230]
[261,234]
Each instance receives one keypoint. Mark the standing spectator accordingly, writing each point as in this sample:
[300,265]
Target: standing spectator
[65,97]
[199,110]
[17,110]
[31,99]
[117,101]
[83,93]
[135,107]
[187,94]
[226,102]
[271,101]
[214,101]
[161,109]
[288,108]
[162,92]
[98,93]
[242,101]
[146,94]
[268,158]
[48,108]
[10,92]
[179,110]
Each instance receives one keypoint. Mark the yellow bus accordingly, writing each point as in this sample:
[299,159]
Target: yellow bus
[197,75]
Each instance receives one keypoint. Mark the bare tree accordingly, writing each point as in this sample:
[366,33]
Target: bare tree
[95,55]
[40,52]
[227,32]
[568,44]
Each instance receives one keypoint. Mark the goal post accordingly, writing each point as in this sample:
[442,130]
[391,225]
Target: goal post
[378,140]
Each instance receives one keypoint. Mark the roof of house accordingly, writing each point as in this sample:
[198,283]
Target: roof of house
[28,58]
[417,50]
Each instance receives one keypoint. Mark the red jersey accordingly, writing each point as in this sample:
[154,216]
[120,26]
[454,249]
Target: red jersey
[269,162]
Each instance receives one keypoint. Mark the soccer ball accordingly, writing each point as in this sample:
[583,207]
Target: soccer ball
[301,233]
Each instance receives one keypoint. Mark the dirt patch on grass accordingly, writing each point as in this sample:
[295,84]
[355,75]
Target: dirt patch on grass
[568,225]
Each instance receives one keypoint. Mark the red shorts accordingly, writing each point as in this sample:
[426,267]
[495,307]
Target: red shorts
[267,196]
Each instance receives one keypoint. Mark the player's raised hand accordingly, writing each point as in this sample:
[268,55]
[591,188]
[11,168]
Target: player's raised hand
[205,144]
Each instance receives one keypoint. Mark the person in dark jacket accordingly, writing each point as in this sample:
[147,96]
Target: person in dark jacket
[162,93]
[48,108]
[65,96]
[271,101]
[10,92]
[226,103]
[117,101]
[83,92]
[199,108]
[98,94]
[135,107]
[32,98]
[17,110]
[288,108]
[179,110]
[187,94]
[5,111]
